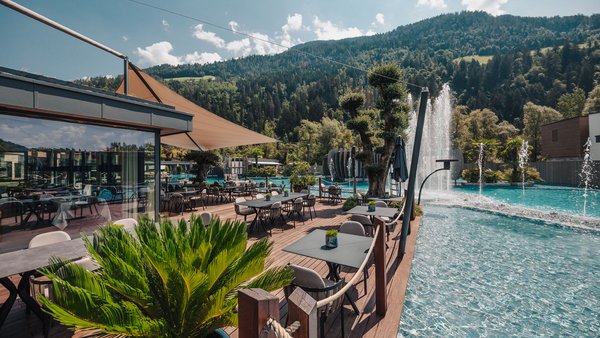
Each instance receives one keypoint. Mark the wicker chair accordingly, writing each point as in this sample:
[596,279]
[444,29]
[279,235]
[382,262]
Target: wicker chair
[272,215]
[318,288]
[241,210]
[295,209]
[355,228]
[309,203]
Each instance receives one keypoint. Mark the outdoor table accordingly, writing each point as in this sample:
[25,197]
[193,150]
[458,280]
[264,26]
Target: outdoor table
[25,262]
[262,203]
[387,199]
[351,251]
[379,211]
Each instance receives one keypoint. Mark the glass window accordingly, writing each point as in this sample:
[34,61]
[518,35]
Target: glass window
[70,176]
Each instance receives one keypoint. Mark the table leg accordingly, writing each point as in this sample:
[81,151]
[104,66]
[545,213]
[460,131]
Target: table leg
[253,223]
[12,290]
[333,274]
[23,290]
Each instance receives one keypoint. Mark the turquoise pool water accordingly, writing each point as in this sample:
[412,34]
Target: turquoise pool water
[477,274]
[543,197]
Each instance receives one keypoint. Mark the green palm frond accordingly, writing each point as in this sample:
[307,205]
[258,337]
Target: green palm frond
[170,280]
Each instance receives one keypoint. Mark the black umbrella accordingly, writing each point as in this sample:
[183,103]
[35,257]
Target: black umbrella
[399,168]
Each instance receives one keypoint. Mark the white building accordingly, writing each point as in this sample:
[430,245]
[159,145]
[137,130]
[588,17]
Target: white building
[594,120]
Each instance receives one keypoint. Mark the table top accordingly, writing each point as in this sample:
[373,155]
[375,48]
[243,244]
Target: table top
[263,203]
[12,263]
[351,250]
[379,211]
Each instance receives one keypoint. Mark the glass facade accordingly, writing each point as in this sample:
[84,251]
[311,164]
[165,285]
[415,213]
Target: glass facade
[70,176]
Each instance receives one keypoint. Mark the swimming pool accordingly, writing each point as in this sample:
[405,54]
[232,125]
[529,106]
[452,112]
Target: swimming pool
[568,200]
[347,187]
[480,274]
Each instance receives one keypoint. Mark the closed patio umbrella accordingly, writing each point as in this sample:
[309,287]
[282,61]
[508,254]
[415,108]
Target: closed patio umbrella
[399,168]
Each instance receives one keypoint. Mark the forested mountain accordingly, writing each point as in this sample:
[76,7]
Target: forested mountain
[532,59]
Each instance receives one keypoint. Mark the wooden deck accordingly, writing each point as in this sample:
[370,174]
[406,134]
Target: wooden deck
[366,324]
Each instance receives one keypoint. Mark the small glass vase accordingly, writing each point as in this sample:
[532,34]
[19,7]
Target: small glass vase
[331,241]
[370,208]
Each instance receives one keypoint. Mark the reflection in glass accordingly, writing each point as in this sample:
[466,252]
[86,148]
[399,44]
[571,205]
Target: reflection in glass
[70,176]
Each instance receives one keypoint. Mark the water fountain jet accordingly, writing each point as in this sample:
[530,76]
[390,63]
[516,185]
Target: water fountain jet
[480,165]
[523,155]
[586,174]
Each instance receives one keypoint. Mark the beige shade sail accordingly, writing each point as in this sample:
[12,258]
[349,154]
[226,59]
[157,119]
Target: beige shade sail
[209,131]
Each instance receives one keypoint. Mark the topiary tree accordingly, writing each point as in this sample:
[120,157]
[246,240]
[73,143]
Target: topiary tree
[170,281]
[204,160]
[378,128]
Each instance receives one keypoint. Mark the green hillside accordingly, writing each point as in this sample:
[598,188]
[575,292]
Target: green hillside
[296,84]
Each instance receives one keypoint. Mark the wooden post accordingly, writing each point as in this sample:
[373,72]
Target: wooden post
[255,307]
[303,308]
[320,195]
[380,278]
[268,189]
[354,185]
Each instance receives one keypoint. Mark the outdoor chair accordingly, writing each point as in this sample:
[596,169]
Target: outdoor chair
[355,228]
[48,238]
[309,203]
[198,198]
[272,215]
[365,222]
[323,190]
[128,224]
[206,218]
[318,288]
[259,196]
[179,203]
[382,204]
[11,207]
[274,192]
[241,210]
[295,210]
[335,194]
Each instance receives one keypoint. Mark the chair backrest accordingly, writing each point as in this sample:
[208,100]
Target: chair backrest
[317,287]
[259,196]
[306,277]
[364,220]
[274,193]
[298,204]
[381,204]
[11,208]
[128,224]
[353,228]
[240,200]
[206,217]
[311,200]
[276,209]
[304,191]
[49,238]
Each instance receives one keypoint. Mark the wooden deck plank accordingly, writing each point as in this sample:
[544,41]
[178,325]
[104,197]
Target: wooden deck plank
[367,323]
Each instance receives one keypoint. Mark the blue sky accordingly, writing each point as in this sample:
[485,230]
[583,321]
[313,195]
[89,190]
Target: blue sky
[149,36]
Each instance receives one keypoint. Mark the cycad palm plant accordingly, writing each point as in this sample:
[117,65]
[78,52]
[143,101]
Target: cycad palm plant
[171,281]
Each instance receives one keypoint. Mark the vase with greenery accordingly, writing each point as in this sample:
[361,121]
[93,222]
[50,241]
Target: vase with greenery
[331,238]
[268,196]
[168,281]
[371,206]
[286,193]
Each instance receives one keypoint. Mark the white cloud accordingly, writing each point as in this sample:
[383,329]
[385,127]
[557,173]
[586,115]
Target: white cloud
[490,6]
[239,47]
[434,4]
[234,26]
[210,37]
[202,58]
[157,54]
[165,25]
[294,23]
[326,30]
[160,53]
[125,38]
[379,18]
[262,46]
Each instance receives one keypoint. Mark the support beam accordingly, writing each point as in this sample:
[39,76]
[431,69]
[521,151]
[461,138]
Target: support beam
[380,274]
[303,308]
[255,307]
[414,163]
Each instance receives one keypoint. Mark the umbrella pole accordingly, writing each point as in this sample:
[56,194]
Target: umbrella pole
[410,195]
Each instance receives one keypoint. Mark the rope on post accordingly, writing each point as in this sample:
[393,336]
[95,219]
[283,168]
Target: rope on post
[273,326]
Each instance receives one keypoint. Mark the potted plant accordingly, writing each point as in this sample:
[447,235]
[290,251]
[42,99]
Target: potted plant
[331,239]
[155,283]
[371,206]
[268,196]
[286,193]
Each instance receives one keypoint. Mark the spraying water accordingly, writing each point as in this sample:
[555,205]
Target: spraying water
[523,155]
[480,165]
[436,143]
[586,172]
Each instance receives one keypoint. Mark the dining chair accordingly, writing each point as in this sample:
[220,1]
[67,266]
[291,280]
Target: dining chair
[206,218]
[309,203]
[128,224]
[295,209]
[241,210]
[259,196]
[318,288]
[365,222]
[48,238]
[355,228]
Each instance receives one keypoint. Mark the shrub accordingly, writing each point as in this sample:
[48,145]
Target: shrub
[302,182]
[267,171]
[350,203]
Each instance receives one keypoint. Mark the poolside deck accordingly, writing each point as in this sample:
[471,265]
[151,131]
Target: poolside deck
[366,324]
